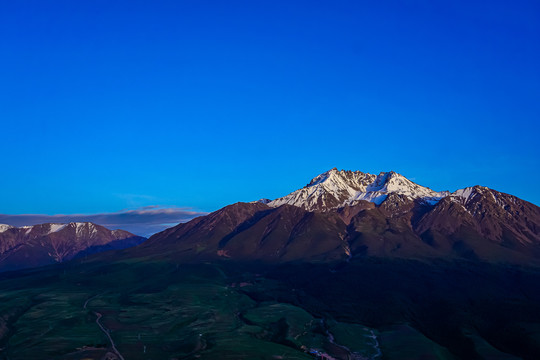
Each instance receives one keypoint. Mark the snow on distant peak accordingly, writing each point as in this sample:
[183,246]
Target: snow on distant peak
[56,227]
[28,228]
[83,227]
[336,188]
[5,227]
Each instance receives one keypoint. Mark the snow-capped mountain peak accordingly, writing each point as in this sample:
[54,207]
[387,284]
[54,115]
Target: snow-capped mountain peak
[336,188]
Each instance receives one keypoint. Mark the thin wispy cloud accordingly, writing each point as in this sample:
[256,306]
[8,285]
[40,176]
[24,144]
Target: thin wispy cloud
[143,221]
[138,200]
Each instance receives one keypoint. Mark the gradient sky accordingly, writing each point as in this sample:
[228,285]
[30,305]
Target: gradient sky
[111,105]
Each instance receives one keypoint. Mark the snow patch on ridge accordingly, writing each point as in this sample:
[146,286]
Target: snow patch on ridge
[82,227]
[465,193]
[5,227]
[55,228]
[28,228]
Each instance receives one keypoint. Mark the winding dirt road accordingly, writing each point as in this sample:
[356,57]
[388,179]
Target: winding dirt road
[104,329]
[351,354]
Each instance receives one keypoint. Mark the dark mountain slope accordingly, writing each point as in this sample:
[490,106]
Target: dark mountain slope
[45,244]
[254,231]
[485,224]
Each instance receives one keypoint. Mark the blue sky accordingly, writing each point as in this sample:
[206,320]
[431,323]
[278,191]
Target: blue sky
[117,105]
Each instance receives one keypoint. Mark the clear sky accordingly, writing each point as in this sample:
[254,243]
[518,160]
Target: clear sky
[111,105]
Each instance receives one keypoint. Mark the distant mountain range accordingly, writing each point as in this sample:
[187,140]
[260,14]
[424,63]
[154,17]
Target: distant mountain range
[340,215]
[144,221]
[37,245]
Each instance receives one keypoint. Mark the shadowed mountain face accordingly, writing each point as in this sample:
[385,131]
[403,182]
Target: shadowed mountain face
[255,232]
[44,244]
[329,220]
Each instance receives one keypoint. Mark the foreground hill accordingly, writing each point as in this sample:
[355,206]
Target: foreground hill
[368,308]
[342,215]
[44,244]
